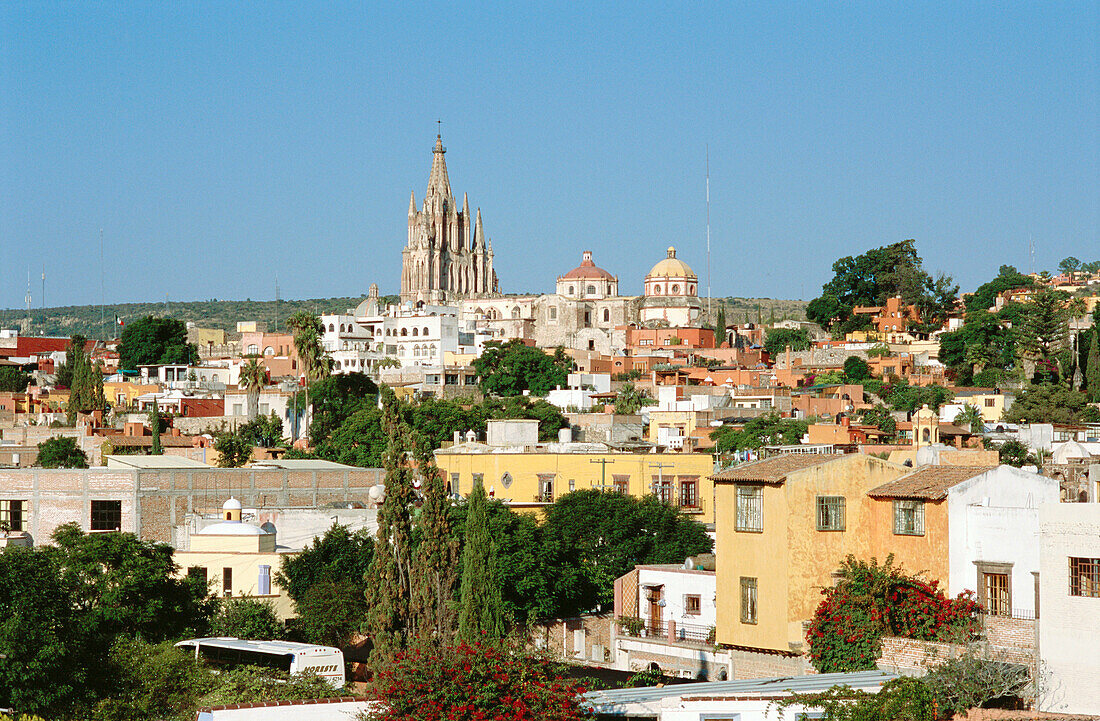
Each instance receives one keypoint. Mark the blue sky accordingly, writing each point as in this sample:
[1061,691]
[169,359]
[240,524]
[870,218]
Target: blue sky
[220,144]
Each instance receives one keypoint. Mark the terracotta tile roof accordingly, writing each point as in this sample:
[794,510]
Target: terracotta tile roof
[147,441]
[930,483]
[774,469]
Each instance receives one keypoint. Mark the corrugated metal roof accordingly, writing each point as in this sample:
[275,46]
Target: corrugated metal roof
[608,700]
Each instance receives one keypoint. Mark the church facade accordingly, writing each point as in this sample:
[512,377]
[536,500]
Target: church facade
[447,257]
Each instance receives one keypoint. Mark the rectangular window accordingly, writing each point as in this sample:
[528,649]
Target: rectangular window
[12,515]
[227,581]
[663,489]
[909,518]
[264,409]
[106,515]
[692,605]
[264,581]
[546,488]
[553,313]
[689,492]
[1084,577]
[454,483]
[238,409]
[748,600]
[989,402]
[995,594]
[830,513]
[750,509]
[620,484]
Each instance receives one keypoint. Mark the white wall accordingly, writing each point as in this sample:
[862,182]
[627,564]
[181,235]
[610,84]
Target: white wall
[994,517]
[1069,627]
[677,584]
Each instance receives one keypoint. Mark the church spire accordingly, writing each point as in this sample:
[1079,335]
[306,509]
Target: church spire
[479,232]
[412,203]
[438,182]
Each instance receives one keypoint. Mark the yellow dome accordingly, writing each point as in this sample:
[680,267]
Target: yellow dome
[671,267]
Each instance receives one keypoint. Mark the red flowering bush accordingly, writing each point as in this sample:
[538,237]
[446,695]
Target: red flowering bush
[482,681]
[872,601]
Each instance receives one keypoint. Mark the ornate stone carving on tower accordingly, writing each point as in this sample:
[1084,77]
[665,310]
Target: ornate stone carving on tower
[445,259]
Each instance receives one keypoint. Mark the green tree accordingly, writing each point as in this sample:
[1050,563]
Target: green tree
[986,295]
[590,538]
[44,668]
[13,379]
[1069,265]
[512,367]
[1092,369]
[263,431]
[778,339]
[334,399]
[720,326]
[480,612]
[75,355]
[60,452]
[1044,329]
[150,341]
[151,681]
[1014,453]
[325,581]
[358,441]
[247,618]
[253,379]
[1047,403]
[307,345]
[435,561]
[856,369]
[154,424]
[630,400]
[970,417]
[880,417]
[234,450]
[759,432]
[389,577]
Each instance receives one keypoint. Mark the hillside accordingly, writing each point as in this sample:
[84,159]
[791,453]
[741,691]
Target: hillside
[224,314]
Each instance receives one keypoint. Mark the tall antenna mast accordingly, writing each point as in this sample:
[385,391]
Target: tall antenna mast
[28,328]
[708,233]
[102,294]
[43,299]
[276,329]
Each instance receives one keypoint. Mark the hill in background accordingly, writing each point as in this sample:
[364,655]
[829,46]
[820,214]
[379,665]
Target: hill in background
[224,314]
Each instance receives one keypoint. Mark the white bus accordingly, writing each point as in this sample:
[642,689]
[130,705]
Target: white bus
[286,656]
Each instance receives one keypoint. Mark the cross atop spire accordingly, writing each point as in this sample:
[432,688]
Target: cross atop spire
[438,182]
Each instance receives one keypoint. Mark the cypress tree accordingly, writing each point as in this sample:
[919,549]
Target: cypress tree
[154,424]
[388,578]
[99,400]
[1092,368]
[480,613]
[434,566]
[720,325]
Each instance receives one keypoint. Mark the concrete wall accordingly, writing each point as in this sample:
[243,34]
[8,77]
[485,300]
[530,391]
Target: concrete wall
[154,502]
[1069,632]
[677,583]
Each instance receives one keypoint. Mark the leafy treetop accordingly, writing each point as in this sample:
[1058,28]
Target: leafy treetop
[150,340]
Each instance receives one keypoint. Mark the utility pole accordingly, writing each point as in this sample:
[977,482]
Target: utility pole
[708,233]
[603,473]
[660,482]
[102,325]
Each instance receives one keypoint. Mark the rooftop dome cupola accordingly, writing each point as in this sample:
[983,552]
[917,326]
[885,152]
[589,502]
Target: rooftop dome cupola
[231,510]
[588,280]
[671,276]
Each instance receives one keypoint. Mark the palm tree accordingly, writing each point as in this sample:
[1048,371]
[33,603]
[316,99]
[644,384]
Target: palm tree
[253,379]
[971,418]
[307,344]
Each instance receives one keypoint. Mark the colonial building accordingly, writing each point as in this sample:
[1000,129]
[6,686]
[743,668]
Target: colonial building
[445,259]
[671,294]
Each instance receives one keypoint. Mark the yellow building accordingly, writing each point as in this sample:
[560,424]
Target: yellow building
[682,423]
[123,394]
[529,477]
[785,523]
[238,560]
[992,405]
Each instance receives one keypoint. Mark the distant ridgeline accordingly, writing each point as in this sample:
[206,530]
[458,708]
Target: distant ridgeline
[224,314]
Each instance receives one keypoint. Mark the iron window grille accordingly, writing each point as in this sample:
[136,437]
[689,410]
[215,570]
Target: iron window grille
[1084,577]
[908,518]
[748,600]
[750,509]
[106,515]
[831,513]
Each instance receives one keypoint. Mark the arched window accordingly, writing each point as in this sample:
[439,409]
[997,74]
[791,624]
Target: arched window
[416,351]
[337,364]
[253,349]
[415,331]
[926,434]
[269,351]
[571,290]
[404,332]
[424,333]
[657,289]
[214,378]
[675,289]
[606,315]
[331,328]
[515,312]
[591,290]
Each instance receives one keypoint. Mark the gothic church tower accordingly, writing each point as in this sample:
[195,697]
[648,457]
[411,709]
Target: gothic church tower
[445,260]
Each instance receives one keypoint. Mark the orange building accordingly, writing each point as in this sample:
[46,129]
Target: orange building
[669,338]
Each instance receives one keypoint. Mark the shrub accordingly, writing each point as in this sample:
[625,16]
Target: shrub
[482,680]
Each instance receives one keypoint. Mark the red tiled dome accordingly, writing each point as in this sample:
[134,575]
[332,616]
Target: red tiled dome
[588,269]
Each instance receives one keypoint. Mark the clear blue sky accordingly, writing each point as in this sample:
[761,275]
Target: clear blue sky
[218,144]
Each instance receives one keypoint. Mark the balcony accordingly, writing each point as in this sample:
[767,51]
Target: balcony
[688,634]
[544,497]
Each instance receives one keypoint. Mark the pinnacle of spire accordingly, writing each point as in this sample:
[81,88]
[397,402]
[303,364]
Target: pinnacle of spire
[438,182]
[412,203]
[466,207]
[479,232]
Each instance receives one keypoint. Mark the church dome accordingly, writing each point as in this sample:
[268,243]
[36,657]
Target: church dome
[671,267]
[588,269]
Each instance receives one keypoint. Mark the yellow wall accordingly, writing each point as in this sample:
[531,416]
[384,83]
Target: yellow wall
[111,391]
[582,469]
[246,575]
[791,560]
[927,553]
[671,419]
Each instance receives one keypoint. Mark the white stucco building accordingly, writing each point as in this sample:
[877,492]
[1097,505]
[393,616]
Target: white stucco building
[1069,594]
